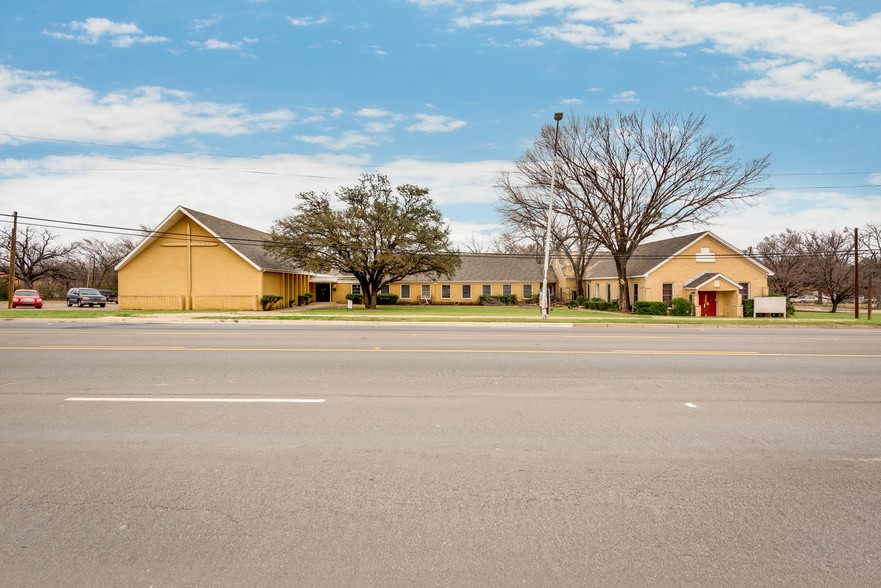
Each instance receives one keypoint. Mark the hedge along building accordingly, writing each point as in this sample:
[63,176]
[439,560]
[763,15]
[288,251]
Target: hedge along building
[195,261]
[713,274]
[480,275]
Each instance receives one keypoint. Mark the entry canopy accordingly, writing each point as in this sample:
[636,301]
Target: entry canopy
[707,277]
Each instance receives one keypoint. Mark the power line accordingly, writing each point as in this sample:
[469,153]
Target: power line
[171,235]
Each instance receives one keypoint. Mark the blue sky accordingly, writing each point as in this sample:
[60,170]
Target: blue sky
[114,113]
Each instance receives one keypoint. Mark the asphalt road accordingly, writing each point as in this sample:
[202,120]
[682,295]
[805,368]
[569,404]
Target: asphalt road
[143,454]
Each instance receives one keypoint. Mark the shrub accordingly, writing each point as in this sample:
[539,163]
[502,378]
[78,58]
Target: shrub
[387,299]
[748,306]
[650,307]
[573,303]
[267,301]
[304,298]
[681,307]
[355,298]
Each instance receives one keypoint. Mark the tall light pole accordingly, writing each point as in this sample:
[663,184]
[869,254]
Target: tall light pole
[545,295]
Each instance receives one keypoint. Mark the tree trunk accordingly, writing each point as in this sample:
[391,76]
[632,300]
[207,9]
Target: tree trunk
[623,285]
[370,299]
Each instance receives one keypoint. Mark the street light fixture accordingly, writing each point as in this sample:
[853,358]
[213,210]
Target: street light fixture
[545,301]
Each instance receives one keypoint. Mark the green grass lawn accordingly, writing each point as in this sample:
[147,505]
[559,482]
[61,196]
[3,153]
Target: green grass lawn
[468,313]
[464,313]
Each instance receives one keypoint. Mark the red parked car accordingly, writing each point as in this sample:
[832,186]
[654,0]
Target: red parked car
[27,298]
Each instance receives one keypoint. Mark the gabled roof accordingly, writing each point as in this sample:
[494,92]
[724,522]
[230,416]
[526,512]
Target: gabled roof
[648,257]
[707,277]
[246,242]
[477,267]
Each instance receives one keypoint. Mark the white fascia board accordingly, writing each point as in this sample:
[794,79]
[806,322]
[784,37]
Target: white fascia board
[717,276]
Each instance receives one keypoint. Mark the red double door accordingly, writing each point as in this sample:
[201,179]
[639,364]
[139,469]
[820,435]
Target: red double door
[707,300]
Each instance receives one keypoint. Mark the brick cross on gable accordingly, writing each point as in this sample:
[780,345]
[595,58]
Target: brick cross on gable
[189,244]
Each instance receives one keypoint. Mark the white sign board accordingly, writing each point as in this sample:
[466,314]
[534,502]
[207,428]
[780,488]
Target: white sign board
[769,305]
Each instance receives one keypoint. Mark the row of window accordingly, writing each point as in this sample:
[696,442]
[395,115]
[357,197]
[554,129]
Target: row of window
[666,291]
[447,291]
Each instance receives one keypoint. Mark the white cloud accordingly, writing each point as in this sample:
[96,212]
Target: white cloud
[226,187]
[627,96]
[216,44]
[828,57]
[223,187]
[373,113]
[799,210]
[435,123]
[804,81]
[93,30]
[347,140]
[42,105]
[571,101]
[378,127]
[308,21]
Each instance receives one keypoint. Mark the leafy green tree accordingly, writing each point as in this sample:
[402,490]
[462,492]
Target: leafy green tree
[378,234]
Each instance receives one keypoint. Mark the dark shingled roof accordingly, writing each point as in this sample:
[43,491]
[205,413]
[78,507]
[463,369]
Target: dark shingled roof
[485,268]
[246,241]
[701,280]
[646,257]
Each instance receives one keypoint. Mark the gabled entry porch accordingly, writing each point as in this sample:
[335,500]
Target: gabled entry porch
[715,294]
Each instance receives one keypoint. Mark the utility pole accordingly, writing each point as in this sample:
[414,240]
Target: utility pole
[856,273]
[869,307]
[11,276]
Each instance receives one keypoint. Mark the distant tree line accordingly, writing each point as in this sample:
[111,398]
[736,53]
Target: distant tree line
[822,262]
[43,261]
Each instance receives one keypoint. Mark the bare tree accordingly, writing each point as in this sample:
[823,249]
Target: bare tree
[95,260]
[634,175]
[508,242]
[830,267]
[870,257]
[38,255]
[524,209]
[784,254]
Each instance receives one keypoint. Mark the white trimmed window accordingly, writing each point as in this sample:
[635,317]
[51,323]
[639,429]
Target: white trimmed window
[466,291]
[666,292]
[446,291]
[487,290]
[426,291]
[527,291]
[506,289]
[356,288]
[744,290]
[405,291]
[597,290]
[385,290]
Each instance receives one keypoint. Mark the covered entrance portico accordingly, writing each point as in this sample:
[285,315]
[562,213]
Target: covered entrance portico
[715,294]
[321,286]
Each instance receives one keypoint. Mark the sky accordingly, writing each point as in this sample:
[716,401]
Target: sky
[114,113]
